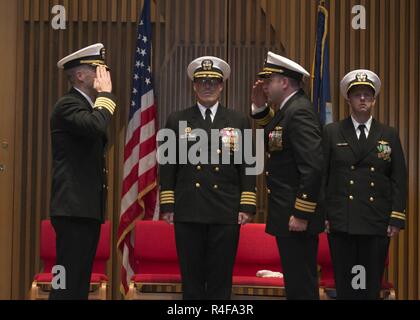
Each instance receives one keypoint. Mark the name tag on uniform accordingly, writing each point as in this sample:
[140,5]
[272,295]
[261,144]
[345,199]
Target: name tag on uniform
[342,144]
[188,135]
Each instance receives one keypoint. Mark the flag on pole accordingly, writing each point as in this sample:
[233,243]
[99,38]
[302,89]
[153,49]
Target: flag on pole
[139,190]
[320,82]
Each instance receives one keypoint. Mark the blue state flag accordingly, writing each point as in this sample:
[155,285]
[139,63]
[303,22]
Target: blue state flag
[320,84]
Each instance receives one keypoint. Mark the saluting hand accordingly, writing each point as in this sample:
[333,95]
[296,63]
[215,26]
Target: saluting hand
[102,81]
[259,98]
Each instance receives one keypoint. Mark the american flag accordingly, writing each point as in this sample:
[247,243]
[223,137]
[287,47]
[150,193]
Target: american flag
[139,191]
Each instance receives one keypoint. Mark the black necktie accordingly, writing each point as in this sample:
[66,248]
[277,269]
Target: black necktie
[362,137]
[207,120]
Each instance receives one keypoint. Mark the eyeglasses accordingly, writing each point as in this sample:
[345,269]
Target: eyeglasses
[208,82]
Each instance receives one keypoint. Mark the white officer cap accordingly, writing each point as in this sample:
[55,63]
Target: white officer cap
[93,55]
[281,65]
[360,77]
[208,67]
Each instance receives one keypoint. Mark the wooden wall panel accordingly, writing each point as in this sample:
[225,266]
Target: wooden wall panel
[236,30]
[8,97]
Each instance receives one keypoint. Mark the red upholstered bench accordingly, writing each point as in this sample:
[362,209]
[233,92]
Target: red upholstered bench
[327,282]
[156,271]
[41,284]
[257,250]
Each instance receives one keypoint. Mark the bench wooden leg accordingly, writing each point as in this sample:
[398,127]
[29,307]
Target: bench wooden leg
[33,293]
[37,293]
[323,295]
[389,294]
[103,291]
[131,291]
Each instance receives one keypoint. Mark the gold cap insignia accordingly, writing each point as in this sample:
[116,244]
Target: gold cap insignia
[207,65]
[103,53]
[361,77]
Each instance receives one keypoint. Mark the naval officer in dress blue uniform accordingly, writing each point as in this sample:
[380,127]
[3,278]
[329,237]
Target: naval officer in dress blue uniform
[79,126]
[366,189]
[209,200]
[294,169]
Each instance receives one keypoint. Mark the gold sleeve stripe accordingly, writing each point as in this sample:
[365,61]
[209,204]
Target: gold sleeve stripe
[249,197]
[106,107]
[101,102]
[249,203]
[309,203]
[106,100]
[297,205]
[306,203]
[106,103]
[99,107]
[304,209]
[305,206]
[266,120]
[167,193]
[167,198]
[398,215]
[167,202]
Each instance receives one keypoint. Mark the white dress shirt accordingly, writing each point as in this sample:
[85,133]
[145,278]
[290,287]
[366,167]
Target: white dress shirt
[213,110]
[367,124]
